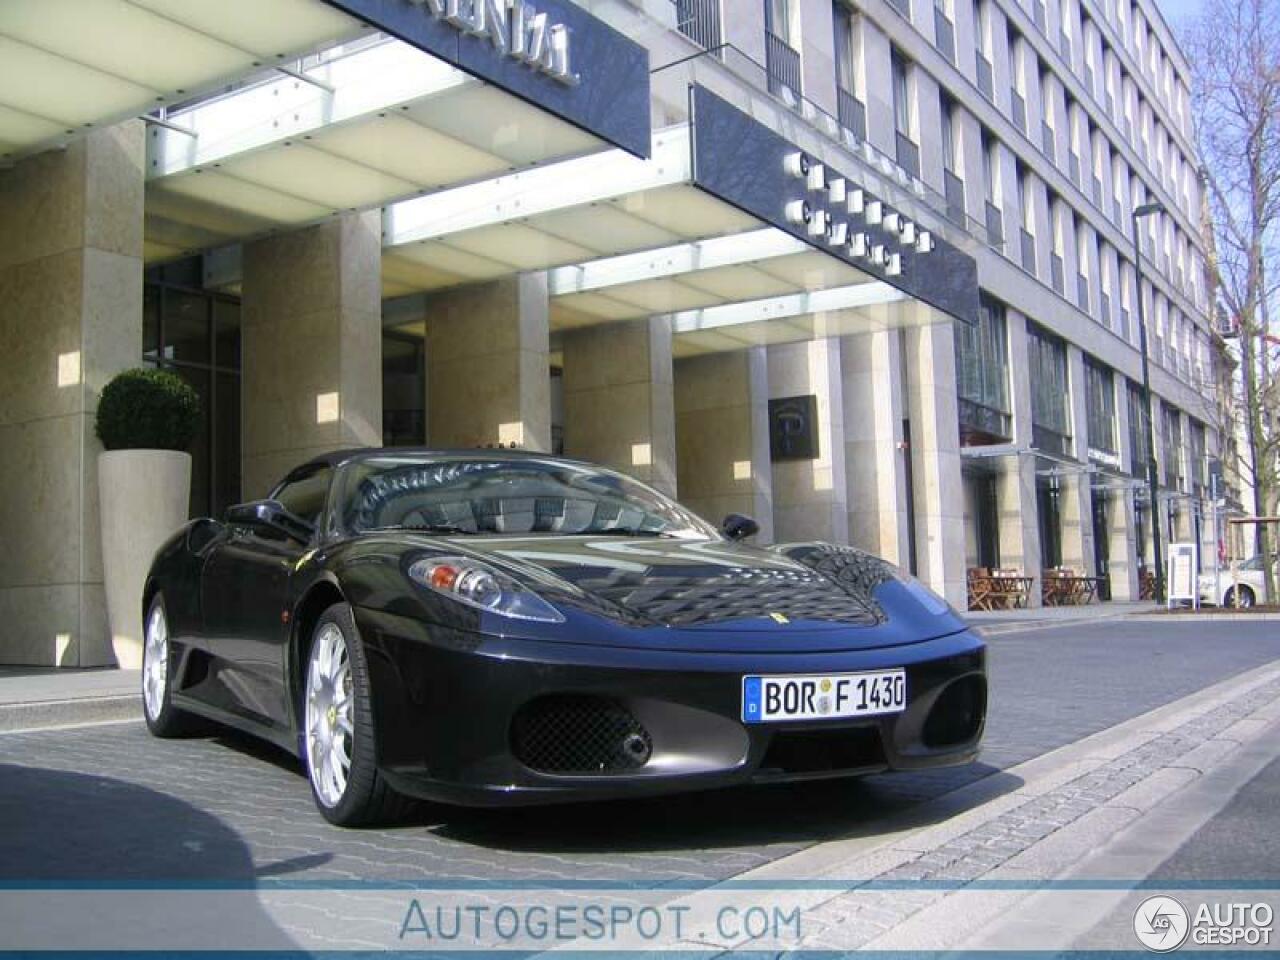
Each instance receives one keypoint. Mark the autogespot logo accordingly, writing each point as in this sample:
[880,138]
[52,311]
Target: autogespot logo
[1161,924]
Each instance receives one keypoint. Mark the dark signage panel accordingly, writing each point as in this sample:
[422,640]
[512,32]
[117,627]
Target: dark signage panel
[793,428]
[551,53]
[743,162]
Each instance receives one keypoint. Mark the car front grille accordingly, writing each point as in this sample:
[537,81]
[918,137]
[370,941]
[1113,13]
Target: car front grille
[579,734]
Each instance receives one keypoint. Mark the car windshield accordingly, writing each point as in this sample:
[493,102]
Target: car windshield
[488,495]
[1253,563]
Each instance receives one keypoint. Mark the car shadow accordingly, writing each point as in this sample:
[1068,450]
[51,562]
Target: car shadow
[792,813]
[98,835]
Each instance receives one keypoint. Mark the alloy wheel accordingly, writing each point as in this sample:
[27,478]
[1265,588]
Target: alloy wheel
[155,662]
[330,732]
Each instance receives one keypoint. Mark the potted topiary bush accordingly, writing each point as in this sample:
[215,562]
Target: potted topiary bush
[146,421]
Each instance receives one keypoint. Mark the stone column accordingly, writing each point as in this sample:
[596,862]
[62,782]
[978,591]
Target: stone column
[1122,558]
[876,487]
[619,407]
[488,370]
[1076,505]
[1016,489]
[722,436]
[311,381]
[809,495]
[935,459]
[70,319]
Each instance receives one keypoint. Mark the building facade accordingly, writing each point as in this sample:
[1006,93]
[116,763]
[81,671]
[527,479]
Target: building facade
[865,272]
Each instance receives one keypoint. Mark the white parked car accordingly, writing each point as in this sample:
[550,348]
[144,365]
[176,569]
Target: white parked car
[1253,587]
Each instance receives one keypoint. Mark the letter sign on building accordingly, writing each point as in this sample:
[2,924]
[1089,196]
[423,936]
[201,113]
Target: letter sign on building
[515,28]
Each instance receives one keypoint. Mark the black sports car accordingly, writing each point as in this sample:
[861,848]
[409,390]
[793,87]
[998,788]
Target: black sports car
[493,627]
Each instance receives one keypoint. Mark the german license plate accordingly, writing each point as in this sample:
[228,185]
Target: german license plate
[831,697]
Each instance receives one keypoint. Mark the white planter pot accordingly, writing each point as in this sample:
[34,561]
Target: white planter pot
[144,496]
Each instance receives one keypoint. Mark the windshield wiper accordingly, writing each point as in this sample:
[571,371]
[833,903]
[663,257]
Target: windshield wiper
[623,532]
[449,528]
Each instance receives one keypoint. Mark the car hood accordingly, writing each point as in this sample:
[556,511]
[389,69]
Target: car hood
[712,594]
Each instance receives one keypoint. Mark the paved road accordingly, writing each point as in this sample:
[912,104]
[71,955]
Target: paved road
[111,804]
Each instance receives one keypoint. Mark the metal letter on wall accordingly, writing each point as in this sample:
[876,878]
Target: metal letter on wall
[743,162]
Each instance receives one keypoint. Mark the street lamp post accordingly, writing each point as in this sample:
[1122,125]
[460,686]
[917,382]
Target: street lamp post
[1146,210]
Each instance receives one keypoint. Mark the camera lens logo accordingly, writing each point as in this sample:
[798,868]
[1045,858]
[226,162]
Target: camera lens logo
[1161,924]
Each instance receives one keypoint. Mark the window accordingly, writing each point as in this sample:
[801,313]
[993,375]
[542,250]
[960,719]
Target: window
[1141,451]
[1050,403]
[989,165]
[304,495]
[901,93]
[947,108]
[1100,404]
[195,333]
[777,18]
[982,376]
[847,66]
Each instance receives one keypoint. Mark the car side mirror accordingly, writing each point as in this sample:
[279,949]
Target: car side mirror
[271,515]
[738,527]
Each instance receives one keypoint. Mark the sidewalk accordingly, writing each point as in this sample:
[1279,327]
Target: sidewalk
[993,623]
[36,697]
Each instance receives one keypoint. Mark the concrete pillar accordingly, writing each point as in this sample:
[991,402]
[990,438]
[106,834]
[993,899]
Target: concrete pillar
[809,495]
[1076,504]
[1016,490]
[722,436]
[619,407]
[935,458]
[1123,540]
[311,382]
[488,371]
[871,365]
[70,319]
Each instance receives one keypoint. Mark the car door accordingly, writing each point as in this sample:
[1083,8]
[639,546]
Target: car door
[246,597]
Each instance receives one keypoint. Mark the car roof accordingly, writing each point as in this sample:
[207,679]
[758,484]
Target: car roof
[337,458]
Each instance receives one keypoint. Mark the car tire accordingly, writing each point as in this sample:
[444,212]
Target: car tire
[158,671]
[339,740]
[1247,598]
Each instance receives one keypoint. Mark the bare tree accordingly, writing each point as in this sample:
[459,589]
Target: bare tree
[1234,50]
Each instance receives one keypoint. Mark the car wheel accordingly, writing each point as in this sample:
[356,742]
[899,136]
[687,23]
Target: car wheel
[1246,598]
[339,740]
[158,667]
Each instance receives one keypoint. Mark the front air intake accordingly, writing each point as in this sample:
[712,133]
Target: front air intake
[579,734]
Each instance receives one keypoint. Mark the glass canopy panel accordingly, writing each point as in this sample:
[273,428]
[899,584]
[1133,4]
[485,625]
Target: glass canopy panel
[102,61]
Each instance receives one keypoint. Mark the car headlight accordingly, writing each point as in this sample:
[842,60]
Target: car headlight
[481,586]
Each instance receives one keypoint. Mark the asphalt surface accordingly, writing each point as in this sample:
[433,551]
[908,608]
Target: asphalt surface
[109,803]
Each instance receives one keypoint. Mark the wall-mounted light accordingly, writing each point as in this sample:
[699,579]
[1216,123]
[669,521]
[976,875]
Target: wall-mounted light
[879,256]
[856,202]
[69,369]
[894,265]
[819,224]
[511,434]
[924,242]
[893,221]
[859,244]
[641,454]
[875,212]
[908,232]
[742,469]
[836,190]
[327,407]
[838,233]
